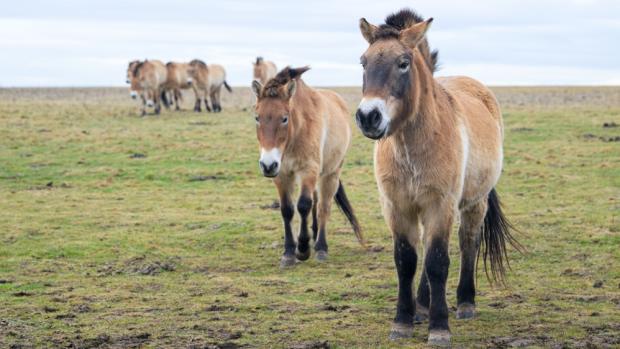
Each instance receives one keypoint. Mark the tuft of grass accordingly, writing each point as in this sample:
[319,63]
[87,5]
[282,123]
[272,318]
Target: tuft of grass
[179,247]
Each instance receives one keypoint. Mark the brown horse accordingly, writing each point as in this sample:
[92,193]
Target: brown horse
[207,80]
[438,155]
[264,70]
[303,134]
[177,80]
[148,79]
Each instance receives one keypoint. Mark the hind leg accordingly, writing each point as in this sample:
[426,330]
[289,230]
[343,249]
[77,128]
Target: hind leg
[198,99]
[315,222]
[304,206]
[327,190]
[177,94]
[469,241]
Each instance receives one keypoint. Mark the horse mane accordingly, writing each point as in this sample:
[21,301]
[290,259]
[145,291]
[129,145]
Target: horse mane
[272,87]
[137,68]
[198,62]
[259,60]
[169,64]
[401,20]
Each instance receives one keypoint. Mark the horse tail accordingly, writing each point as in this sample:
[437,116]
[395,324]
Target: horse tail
[345,206]
[227,86]
[496,231]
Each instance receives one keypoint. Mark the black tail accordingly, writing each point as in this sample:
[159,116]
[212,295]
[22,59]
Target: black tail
[227,86]
[345,206]
[496,231]
[164,99]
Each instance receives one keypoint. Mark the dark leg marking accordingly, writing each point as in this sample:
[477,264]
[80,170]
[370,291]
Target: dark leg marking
[197,105]
[423,299]
[436,266]
[466,290]
[304,206]
[287,210]
[405,258]
[315,219]
[207,106]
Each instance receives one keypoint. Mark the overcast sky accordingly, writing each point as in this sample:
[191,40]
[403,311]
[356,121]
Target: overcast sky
[507,42]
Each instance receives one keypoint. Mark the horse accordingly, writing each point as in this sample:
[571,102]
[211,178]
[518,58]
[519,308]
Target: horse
[177,80]
[264,70]
[148,79]
[438,154]
[135,90]
[207,80]
[303,133]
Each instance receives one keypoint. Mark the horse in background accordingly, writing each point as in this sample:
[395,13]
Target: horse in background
[147,80]
[207,80]
[264,70]
[177,79]
[303,134]
[438,154]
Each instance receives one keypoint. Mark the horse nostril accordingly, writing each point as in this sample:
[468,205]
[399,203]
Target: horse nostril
[374,117]
[272,167]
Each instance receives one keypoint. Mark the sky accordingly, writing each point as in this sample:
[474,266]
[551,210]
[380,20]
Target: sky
[507,42]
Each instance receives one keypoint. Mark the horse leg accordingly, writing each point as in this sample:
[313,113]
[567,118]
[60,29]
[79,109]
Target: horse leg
[198,99]
[327,191]
[285,186]
[217,98]
[214,101]
[176,99]
[437,221]
[157,101]
[304,206]
[406,234]
[143,110]
[423,299]
[469,241]
[206,94]
[315,223]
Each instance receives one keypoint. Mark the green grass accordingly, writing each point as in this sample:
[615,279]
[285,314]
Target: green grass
[82,222]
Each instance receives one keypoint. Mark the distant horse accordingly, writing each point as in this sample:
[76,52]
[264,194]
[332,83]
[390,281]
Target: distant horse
[303,134]
[177,80]
[438,154]
[148,79]
[264,70]
[207,80]
[135,90]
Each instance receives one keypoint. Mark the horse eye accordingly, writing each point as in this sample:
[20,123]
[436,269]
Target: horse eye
[403,65]
[256,118]
[285,120]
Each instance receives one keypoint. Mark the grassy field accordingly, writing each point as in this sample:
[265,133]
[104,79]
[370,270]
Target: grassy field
[121,231]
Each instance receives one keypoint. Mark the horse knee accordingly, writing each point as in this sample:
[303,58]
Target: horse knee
[304,205]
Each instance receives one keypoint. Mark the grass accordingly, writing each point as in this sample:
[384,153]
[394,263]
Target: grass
[179,248]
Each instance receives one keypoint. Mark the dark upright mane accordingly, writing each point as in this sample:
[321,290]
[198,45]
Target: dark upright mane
[136,68]
[285,75]
[401,20]
[259,60]
[198,62]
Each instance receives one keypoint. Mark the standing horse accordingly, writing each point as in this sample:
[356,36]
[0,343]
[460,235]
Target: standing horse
[207,80]
[177,80]
[438,154]
[303,134]
[148,79]
[264,70]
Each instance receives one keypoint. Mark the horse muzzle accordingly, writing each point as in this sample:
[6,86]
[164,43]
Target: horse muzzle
[373,124]
[269,162]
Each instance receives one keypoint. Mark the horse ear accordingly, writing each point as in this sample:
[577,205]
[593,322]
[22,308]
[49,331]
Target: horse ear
[291,87]
[414,34]
[368,30]
[256,87]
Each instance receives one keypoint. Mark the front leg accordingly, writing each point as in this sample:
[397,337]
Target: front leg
[304,206]
[437,225]
[285,187]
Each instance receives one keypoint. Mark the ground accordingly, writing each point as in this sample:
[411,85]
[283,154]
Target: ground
[122,231]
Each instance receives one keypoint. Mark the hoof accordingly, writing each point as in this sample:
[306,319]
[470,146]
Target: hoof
[287,261]
[400,331]
[439,338]
[321,256]
[421,313]
[302,256]
[465,311]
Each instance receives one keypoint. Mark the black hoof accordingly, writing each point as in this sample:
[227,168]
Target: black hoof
[287,261]
[439,338]
[321,256]
[400,331]
[465,311]
[302,256]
